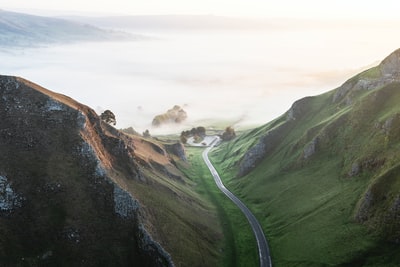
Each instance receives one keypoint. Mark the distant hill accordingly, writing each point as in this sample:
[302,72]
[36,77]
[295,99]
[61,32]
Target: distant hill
[22,30]
[173,22]
[324,178]
[213,22]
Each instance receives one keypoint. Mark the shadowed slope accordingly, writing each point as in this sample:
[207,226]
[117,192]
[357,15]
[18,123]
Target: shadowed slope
[74,191]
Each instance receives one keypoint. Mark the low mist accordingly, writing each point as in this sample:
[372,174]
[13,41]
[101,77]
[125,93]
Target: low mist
[243,77]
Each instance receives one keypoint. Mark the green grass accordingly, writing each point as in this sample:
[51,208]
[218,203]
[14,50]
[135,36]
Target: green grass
[238,247]
[307,207]
[193,220]
[372,73]
[182,220]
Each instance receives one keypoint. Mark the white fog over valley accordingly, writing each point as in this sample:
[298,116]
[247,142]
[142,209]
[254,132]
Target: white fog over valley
[247,77]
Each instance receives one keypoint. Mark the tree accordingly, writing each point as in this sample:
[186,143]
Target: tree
[146,133]
[201,131]
[183,139]
[229,134]
[108,117]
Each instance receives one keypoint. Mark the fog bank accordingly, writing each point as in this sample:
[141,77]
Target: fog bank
[246,76]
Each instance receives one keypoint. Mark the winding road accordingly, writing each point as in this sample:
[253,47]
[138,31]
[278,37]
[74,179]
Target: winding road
[263,249]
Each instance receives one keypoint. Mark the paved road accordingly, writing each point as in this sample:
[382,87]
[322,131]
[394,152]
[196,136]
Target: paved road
[263,249]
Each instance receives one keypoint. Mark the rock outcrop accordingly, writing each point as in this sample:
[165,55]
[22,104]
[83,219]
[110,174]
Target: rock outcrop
[177,149]
[270,140]
[390,66]
[380,206]
[387,72]
[262,149]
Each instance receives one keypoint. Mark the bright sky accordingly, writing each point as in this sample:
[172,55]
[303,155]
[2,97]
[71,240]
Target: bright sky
[383,9]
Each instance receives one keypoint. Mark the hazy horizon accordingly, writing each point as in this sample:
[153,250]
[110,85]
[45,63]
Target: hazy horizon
[251,76]
[339,9]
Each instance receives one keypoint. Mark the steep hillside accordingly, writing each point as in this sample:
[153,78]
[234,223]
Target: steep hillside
[74,191]
[22,30]
[324,177]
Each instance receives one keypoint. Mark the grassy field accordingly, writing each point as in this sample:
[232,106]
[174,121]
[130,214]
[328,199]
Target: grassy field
[238,247]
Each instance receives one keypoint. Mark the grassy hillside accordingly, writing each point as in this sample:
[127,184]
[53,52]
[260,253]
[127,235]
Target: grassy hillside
[323,178]
[185,223]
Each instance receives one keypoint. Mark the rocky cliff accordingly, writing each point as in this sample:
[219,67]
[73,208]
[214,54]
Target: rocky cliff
[61,199]
[74,191]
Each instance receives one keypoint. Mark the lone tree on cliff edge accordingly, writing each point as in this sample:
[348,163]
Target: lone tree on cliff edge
[108,117]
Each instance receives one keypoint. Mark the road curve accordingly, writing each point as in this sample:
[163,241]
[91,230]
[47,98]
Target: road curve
[263,249]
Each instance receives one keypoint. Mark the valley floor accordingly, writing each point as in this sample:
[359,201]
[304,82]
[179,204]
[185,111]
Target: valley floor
[238,247]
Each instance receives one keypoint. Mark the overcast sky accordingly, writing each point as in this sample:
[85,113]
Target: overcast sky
[383,9]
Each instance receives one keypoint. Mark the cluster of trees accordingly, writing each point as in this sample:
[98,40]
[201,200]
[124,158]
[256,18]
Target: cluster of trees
[197,133]
[174,115]
[229,134]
